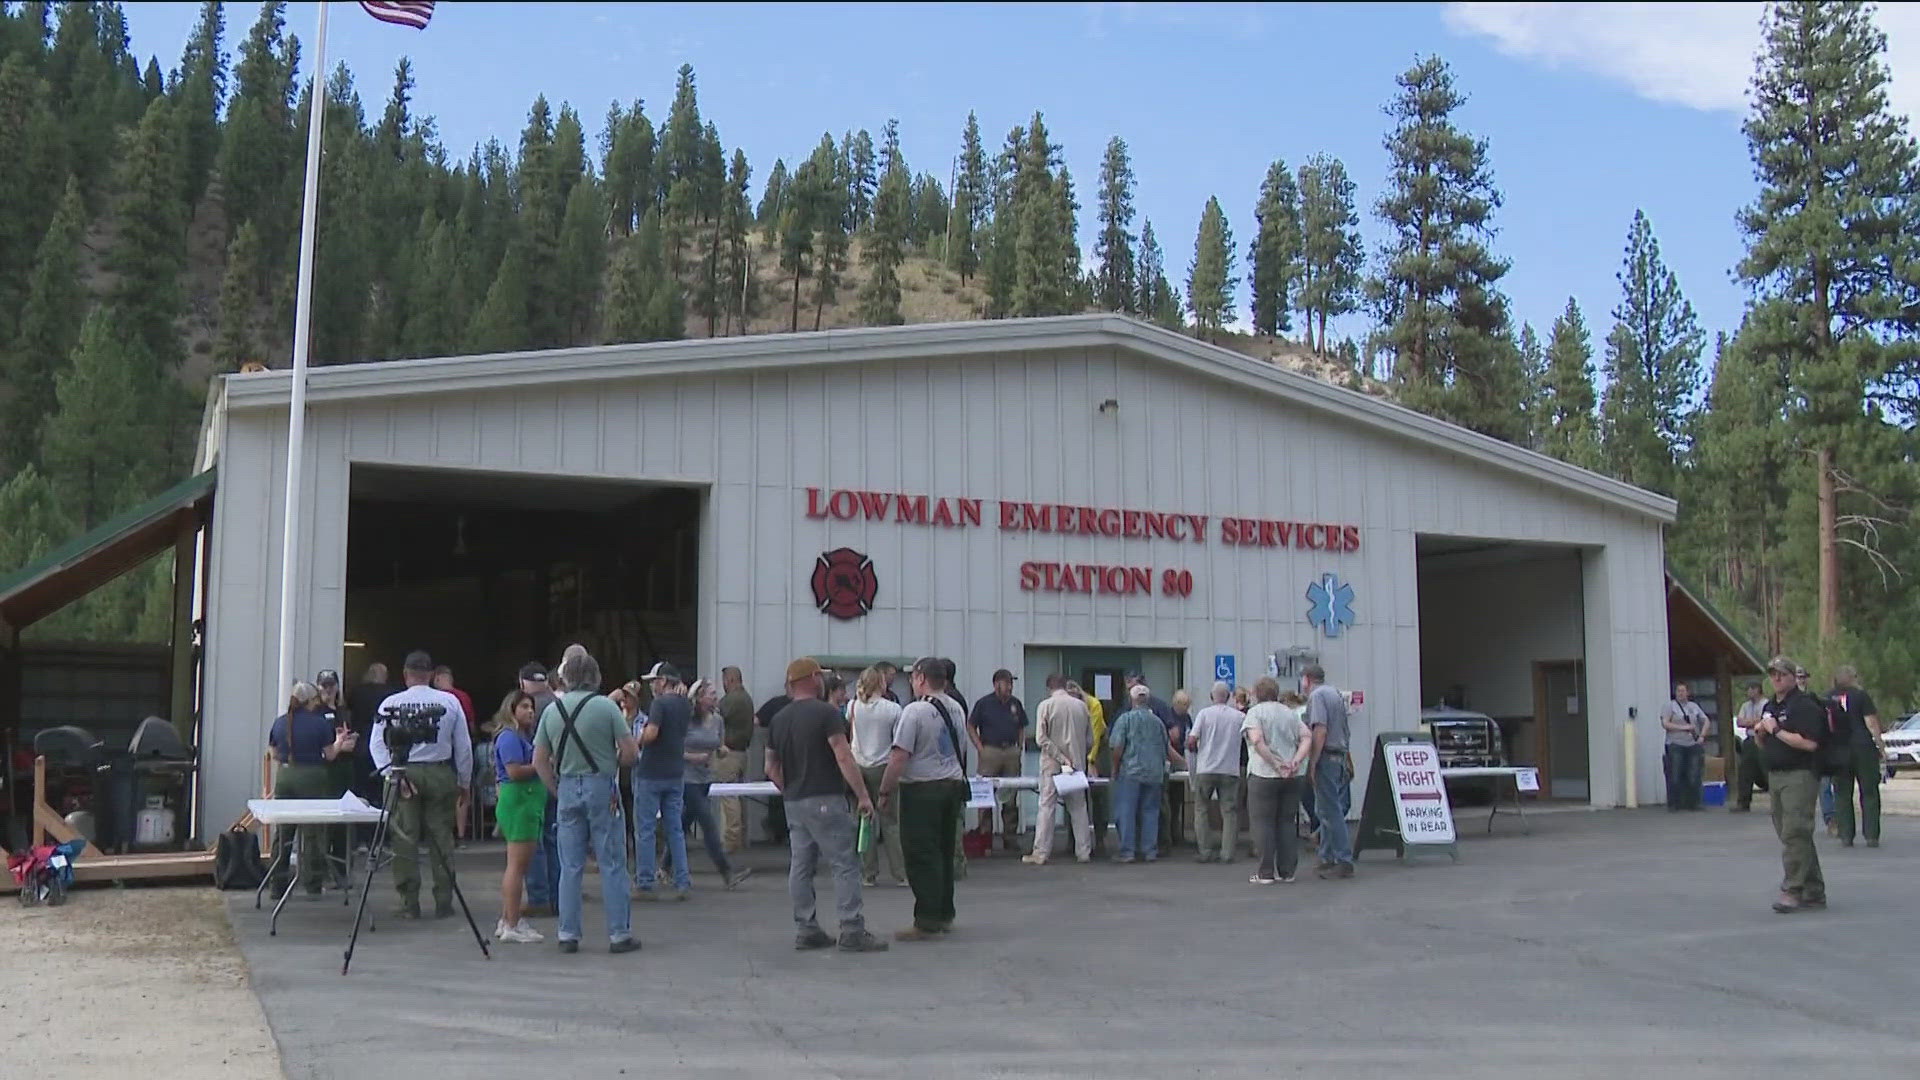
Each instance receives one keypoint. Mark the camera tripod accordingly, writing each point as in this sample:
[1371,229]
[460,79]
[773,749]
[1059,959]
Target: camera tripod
[396,785]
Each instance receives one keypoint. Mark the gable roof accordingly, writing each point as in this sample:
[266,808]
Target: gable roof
[934,341]
[102,554]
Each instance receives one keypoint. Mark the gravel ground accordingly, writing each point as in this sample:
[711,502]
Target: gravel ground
[130,982]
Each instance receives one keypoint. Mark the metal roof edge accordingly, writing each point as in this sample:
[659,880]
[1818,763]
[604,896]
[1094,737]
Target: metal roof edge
[751,353]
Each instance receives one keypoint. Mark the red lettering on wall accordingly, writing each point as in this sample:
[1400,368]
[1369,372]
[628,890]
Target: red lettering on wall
[843,505]
[1199,523]
[1352,535]
[1309,536]
[1009,516]
[1029,576]
[1110,522]
[1037,517]
[874,504]
[970,512]
[942,513]
[1130,523]
[814,509]
[911,509]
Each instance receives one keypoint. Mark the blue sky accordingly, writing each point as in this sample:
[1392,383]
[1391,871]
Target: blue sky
[1590,111]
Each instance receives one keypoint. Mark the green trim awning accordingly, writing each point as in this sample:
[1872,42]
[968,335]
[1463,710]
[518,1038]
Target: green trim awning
[104,553]
[1690,616]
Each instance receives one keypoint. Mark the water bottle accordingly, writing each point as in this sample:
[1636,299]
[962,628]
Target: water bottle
[866,833]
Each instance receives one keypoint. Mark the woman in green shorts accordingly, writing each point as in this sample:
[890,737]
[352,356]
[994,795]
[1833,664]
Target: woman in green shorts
[519,812]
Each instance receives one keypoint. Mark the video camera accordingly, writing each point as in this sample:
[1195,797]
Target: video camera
[410,724]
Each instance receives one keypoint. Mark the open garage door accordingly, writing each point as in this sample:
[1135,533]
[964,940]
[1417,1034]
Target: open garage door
[488,570]
[1502,633]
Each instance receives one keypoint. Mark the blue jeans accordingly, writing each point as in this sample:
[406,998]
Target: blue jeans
[590,810]
[1826,800]
[1683,767]
[1136,811]
[543,873]
[1332,796]
[699,811]
[662,800]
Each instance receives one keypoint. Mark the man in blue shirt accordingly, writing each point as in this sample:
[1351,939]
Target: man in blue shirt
[1141,754]
[658,791]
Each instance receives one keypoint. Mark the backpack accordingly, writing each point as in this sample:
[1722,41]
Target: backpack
[236,861]
[1834,754]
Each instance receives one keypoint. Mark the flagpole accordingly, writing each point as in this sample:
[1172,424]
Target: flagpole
[302,341]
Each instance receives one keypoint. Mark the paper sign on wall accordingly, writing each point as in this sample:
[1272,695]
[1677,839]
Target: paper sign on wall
[1103,687]
[1419,795]
[1527,779]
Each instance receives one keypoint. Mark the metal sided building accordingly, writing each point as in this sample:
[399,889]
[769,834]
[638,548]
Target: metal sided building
[1085,494]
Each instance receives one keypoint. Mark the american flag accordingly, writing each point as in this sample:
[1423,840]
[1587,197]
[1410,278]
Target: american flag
[401,14]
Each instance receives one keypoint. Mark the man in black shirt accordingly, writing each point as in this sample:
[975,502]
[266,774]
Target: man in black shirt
[1789,732]
[998,728]
[810,762]
[776,806]
[1865,757]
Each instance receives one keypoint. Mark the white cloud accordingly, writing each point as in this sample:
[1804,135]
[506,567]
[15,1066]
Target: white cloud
[1696,55]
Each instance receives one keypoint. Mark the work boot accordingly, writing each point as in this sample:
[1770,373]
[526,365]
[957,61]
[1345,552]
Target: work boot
[408,910]
[915,933]
[860,941]
[813,938]
[624,945]
[569,945]
[734,879]
[443,909]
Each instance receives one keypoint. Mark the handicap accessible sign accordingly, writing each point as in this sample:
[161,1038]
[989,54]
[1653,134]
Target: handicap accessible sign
[1223,668]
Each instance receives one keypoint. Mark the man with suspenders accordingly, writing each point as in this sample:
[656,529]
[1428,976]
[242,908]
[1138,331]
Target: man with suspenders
[581,743]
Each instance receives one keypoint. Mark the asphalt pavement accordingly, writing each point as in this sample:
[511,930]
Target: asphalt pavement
[1603,944]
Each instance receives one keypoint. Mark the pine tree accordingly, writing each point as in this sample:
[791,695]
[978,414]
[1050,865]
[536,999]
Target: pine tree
[237,342]
[773,197]
[627,160]
[644,301]
[1159,300]
[1331,255]
[1043,233]
[929,214]
[1444,321]
[260,152]
[49,322]
[1653,367]
[885,249]
[1210,277]
[737,225]
[799,208]
[109,389]
[971,203]
[1274,257]
[829,206]
[500,324]
[202,94]
[1115,287]
[1567,395]
[35,172]
[1000,251]
[1831,255]
[1535,418]
[863,179]
[346,255]
[437,319]
[148,254]
[35,523]
[582,258]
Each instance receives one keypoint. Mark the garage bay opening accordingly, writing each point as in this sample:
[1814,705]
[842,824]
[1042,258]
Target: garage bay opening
[489,570]
[1503,638]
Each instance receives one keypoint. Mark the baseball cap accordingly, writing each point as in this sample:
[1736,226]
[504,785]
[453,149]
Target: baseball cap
[1783,666]
[1140,691]
[805,667]
[327,677]
[419,661]
[1003,673]
[533,671]
[662,670]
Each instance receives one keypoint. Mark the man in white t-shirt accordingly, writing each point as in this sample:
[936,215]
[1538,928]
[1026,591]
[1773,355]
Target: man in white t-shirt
[924,775]
[1749,771]
[1215,742]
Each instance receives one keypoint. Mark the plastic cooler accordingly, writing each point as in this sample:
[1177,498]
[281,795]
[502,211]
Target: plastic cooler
[1713,793]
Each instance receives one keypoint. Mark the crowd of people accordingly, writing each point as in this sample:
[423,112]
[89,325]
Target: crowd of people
[862,777]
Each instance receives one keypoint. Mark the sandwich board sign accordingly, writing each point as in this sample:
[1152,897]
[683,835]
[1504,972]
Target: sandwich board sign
[1406,802]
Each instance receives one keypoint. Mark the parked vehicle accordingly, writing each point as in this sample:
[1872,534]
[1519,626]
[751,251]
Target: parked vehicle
[1903,744]
[1465,740]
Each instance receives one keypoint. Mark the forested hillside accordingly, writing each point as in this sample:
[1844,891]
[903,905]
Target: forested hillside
[149,225]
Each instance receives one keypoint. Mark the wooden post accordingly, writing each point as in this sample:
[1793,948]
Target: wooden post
[180,671]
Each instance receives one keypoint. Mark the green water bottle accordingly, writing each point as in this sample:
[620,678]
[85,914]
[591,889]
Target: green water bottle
[866,833]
